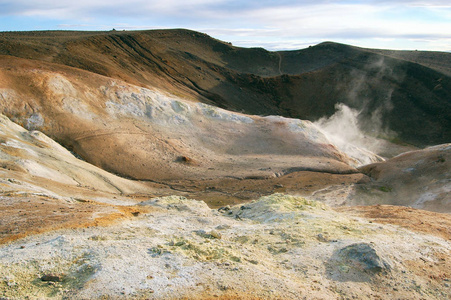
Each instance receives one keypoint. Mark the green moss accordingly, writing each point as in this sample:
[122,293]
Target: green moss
[290,202]
[385,189]
[206,251]
[17,280]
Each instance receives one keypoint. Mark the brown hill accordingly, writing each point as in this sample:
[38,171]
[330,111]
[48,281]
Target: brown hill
[401,94]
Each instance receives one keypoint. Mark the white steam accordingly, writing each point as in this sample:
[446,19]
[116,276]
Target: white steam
[342,129]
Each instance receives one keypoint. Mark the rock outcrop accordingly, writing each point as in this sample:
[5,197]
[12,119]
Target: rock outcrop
[419,179]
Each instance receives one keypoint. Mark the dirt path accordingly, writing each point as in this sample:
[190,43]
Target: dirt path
[280,63]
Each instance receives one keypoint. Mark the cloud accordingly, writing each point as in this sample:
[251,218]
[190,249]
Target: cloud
[72,9]
[416,3]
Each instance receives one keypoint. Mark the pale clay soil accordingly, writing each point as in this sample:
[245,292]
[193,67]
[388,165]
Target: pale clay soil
[279,247]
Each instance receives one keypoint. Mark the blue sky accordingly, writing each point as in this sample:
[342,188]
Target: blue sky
[274,25]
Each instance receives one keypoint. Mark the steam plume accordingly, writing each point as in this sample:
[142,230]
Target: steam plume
[342,129]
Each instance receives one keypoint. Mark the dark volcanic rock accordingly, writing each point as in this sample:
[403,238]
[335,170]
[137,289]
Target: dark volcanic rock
[51,277]
[358,262]
[363,257]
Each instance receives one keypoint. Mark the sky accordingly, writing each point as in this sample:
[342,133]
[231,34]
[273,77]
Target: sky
[273,25]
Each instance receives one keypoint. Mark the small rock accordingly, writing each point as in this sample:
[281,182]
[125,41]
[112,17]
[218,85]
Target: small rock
[210,235]
[222,227]
[321,238]
[363,256]
[10,283]
[215,234]
[224,208]
[278,185]
[185,159]
[51,278]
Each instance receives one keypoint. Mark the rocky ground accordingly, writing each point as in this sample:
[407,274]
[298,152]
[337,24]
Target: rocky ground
[278,247]
[419,179]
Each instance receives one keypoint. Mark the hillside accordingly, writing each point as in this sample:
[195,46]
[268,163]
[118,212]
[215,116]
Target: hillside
[138,104]
[401,96]
[148,134]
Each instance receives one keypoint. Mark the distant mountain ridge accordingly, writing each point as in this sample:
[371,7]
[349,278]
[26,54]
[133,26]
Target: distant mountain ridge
[402,95]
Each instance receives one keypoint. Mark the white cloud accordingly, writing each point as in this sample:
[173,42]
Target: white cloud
[71,9]
[300,24]
[417,3]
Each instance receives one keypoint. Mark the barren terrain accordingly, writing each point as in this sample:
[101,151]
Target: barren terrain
[169,165]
